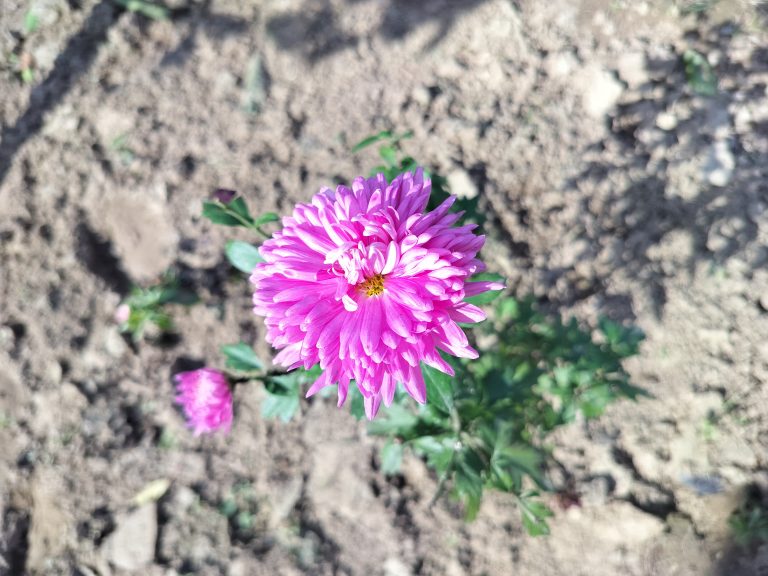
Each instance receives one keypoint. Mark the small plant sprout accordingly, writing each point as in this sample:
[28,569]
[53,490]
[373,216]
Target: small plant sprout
[31,22]
[699,74]
[122,149]
[145,308]
[749,524]
[151,10]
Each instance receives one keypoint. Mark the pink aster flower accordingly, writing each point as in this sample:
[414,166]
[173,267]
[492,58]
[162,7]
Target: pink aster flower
[206,398]
[366,283]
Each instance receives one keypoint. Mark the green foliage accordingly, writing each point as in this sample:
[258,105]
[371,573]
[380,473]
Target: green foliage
[122,149]
[151,10]
[484,428]
[31,22]
[235,213]
[284,392]
[699,74]
[396,162]
[242,255]
[255,91]
[240,506]
[749,524]
[146,307]
[390,152]
[24,67]
[697,6]
[241,358]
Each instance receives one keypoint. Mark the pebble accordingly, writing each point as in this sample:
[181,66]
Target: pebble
[631,69]
[132,545]
[601,91]
[719,166]
[666,121]
[460,183]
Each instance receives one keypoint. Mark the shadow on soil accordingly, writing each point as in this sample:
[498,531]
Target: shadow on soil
[71,64]
[721,220]
[320,24]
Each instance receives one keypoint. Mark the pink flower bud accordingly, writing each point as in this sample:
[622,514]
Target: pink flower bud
[224,196]
[206,398]
[122,314]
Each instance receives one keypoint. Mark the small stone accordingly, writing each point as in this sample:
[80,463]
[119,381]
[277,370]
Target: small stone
[600,91]
[560,65]
[48,532]
[396,567]
[421,96]
[45,55]
[666,121]
[460,183]
[719,166]
[631,69]
[132,545]
[114,343]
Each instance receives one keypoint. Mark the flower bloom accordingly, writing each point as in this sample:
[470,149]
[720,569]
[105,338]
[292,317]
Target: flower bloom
[366,283]
[206,398]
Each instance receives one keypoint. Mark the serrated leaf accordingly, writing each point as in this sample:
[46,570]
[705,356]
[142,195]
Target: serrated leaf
[242,255]
[517,461]
[469,487]
[534,514]
[391,457]
[241,357]
[439,451]
[439,388]
[280,406]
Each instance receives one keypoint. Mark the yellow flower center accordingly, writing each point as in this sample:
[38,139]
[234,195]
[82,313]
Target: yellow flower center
[373,286]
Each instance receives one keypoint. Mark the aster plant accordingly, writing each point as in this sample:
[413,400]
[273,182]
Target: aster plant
[368,289]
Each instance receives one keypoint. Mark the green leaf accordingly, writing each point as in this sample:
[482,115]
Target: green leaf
[534,514]
[397,421]
[699,74]
[242,255]
[280,406]
[365,142]
[241,357]
[145,8]
[512,462]
[239,207]
[389,155]
[438,450]
[266,218]
[391,458]
[356,404]
[218,214]
[469,487]
[31,22]
[439,388]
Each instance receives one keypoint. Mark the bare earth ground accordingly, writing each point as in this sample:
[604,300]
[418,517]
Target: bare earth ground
[612,189]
